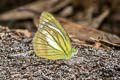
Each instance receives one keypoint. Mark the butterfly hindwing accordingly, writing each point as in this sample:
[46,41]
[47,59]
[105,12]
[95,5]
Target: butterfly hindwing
[43,47]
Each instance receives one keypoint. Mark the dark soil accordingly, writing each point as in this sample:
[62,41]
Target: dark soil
[18,61]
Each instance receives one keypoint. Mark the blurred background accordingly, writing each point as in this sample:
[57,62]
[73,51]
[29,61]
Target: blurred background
[22,15]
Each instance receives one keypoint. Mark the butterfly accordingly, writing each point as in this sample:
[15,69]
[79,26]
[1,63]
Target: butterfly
[51,41]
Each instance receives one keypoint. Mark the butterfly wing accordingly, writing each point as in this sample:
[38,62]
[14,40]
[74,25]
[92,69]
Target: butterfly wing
[45,46]
[51,41]
[50,21]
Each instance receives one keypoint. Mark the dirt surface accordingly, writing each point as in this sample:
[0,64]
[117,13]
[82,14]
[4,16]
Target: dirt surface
[18,61]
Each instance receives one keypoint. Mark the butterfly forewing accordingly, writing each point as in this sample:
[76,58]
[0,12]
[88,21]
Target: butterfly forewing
[50,21]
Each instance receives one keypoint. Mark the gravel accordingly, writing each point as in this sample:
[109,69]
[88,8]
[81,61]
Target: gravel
[19,62]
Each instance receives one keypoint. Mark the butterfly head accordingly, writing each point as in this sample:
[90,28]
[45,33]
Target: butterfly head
[74,51]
